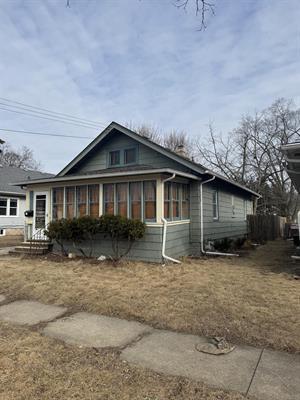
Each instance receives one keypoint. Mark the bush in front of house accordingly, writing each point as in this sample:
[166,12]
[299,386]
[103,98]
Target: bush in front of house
[122,232]
[58,231]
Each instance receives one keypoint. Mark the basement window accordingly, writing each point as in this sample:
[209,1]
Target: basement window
[2,232]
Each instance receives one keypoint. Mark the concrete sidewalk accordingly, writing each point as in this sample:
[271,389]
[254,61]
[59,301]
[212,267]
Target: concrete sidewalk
[265,374]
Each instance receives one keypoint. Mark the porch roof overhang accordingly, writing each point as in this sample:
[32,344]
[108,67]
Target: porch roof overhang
[70,178]
[292,157]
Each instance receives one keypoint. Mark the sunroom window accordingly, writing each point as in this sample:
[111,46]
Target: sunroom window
[122,195]
[150,200]
[135,197]
[176,201]
[58,203]
[108,198]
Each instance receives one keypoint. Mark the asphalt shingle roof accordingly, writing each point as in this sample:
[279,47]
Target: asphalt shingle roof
[10,175]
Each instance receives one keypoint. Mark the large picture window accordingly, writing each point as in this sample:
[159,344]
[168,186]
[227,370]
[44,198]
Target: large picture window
[57,203]
[150,200]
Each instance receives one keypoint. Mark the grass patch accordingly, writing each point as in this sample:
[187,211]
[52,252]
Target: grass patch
[252,299]
[34,367]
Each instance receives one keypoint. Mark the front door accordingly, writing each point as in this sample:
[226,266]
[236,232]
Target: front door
[40,218]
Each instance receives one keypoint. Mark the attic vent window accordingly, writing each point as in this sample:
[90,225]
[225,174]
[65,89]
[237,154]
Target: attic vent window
[114,158]
[130,156]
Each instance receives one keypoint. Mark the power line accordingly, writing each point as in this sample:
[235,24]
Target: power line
[45,113]
[53,112]
[51,119]
[45,134]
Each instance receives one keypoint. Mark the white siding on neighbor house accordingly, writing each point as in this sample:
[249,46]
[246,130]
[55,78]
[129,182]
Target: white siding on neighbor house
[14,221]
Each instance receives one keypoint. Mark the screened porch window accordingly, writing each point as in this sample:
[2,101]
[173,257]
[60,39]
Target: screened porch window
[150,200]
[135,197]
[122,195]
[185,202]
[108,198]
[81,194]
[70,202]
[167,200]
[94,201]
[57,203]
[176,200]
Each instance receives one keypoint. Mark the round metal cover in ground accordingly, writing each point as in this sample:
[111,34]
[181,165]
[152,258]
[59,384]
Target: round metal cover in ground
[217,347]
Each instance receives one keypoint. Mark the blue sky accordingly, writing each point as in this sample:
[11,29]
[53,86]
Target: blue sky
[142,61]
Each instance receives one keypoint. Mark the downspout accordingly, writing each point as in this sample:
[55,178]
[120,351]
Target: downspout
[212,253]
[165,224]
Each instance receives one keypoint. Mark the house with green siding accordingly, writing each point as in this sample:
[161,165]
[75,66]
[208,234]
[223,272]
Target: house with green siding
[184,205]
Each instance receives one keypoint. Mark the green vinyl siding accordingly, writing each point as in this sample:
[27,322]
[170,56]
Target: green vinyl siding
[98,158]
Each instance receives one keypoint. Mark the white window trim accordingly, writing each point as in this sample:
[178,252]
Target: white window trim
[216,218]
[233,205]
[8,207]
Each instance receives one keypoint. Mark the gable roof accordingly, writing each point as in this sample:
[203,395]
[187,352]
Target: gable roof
[10,175]
[195,167]
[147,142]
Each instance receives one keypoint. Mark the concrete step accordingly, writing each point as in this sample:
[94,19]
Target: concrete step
[33,252]
[35,244]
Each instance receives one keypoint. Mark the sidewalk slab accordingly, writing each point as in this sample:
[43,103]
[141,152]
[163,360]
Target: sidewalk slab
[91,330]
[175,354]
[25,312]
[277,377]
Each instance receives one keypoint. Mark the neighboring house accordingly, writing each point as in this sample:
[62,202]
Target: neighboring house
[292,156]
[13,201]
[124,173]
[291,152]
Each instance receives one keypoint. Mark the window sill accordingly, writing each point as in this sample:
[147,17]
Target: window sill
[170,223]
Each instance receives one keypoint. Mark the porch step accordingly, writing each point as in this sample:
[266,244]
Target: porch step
[36,247]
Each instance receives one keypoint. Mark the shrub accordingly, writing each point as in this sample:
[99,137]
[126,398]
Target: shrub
[58,231]
[223,245]
[121,229]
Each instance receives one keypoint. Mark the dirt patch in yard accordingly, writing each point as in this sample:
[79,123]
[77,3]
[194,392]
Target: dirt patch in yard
[33,367]
[252,299]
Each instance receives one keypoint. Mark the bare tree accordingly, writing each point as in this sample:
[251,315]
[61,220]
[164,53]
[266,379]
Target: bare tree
[251,155]
[175,140]
[22,158]
[202,7]
[147,131]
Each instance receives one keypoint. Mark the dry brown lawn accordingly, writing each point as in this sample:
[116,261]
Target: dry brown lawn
[252,299]
[33,367]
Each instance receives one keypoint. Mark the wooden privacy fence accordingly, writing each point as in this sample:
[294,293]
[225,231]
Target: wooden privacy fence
[262,228]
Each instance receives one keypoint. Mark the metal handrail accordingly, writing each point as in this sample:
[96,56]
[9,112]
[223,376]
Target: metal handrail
[38,238]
